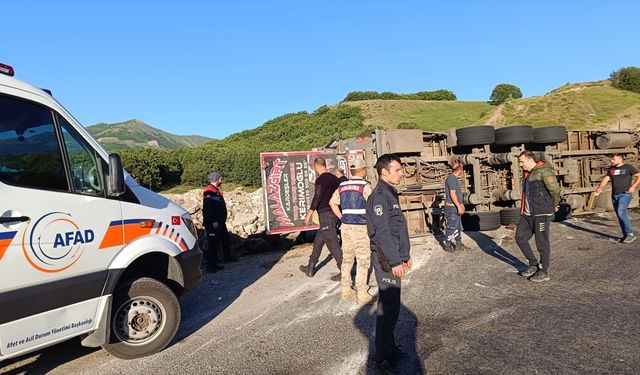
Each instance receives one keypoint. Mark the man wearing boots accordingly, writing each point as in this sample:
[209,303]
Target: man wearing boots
[453,209]
[214,212]
[325,184]
[349,203]
[540,201]
[389,237]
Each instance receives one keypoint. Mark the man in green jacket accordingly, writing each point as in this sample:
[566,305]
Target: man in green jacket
[540,201]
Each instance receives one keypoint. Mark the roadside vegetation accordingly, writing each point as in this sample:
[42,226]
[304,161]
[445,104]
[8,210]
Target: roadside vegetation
[237,156]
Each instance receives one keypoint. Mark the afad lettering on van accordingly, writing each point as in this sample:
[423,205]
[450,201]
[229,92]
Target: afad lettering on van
[55,242]
[5,241]
[122,232]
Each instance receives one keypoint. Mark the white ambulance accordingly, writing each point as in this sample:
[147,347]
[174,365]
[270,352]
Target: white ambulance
[84,249]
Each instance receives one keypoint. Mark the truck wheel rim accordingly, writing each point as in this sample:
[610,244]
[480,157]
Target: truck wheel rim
[139,320]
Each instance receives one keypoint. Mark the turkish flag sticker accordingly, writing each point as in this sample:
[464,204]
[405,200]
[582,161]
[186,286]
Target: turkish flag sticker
[175,220]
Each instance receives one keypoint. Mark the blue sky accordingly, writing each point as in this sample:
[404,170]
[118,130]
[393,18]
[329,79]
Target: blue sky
[215,68]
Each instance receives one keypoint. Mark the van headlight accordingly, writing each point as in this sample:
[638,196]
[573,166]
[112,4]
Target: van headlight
[186,219]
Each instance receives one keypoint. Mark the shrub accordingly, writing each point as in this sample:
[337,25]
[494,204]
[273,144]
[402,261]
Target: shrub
[626,79]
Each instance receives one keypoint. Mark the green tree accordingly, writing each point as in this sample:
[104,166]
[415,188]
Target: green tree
[144,166]
[503,92]
[626,79]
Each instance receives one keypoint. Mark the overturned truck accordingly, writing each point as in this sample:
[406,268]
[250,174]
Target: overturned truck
[492,179]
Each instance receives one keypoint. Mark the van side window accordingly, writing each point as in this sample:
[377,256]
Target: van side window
[85,173]
[29,151]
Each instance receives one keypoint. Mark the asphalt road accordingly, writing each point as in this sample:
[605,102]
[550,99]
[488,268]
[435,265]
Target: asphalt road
[463,313]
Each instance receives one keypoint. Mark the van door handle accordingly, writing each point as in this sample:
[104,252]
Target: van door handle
[13,219]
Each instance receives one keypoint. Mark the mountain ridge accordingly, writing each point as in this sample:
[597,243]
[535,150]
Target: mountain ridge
[136,135]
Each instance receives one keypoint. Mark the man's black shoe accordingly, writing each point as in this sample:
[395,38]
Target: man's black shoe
[448,247]
[529,271]
[309,269]
[213,268]
[539,277]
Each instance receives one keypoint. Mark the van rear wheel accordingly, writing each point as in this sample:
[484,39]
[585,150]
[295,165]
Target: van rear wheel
[145,318]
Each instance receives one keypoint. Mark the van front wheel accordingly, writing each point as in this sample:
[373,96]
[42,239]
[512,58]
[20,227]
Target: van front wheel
[145,318]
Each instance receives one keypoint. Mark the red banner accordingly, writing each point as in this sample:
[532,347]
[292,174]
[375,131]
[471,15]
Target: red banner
[288,183]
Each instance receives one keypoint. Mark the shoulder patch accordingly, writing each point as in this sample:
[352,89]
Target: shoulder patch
[377,209]
[551,179]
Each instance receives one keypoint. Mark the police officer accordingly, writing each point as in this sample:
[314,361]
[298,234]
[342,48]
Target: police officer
[389,237]
[349,203]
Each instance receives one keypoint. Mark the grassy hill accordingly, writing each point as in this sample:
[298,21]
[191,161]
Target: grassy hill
[135,134]
[591,105]
[421,114]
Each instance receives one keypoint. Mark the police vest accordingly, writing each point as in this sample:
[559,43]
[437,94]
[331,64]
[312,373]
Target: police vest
[352,202]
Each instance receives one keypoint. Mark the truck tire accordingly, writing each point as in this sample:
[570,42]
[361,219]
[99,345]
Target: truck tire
[475,135]
[550,134]
[514,135]
[509,216]
[481,221]
[145,318]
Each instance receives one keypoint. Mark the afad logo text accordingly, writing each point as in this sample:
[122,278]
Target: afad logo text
[55,243]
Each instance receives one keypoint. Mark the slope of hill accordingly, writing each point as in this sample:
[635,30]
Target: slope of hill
[135,134]
[436,115]
[591,105]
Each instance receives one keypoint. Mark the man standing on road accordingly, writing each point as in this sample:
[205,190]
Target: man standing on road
[389,237]
[325,184]
[453,209]
[621,176]
[351,197]
[214,212]
[540,201]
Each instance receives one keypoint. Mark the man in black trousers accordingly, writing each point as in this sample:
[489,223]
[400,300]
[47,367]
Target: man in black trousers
[214,211]
[390,257]
[325,184]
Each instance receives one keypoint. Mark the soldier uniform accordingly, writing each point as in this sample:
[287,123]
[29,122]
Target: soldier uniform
[351,196]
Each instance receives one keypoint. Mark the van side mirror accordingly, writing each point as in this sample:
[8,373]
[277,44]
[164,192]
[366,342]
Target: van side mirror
[115,181]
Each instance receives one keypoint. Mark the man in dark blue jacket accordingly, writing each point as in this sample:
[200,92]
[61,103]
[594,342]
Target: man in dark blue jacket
[214,212]
[389,237]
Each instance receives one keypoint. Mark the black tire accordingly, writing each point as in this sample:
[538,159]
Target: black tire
[158,311]
[550,134]
[509,216]
[481,221]
[475,135]
[514,135]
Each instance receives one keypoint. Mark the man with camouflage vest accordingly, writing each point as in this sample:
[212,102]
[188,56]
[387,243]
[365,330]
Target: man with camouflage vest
[349,204]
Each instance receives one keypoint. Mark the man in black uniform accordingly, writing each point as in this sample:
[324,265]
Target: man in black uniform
[325,185]
[389,237]
[214,212]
